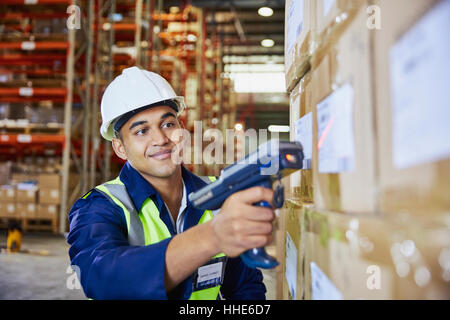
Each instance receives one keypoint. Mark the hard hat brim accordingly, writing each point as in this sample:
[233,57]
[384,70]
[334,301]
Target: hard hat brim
[107,129]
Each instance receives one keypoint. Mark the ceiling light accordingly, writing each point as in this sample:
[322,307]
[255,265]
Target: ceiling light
[283,129]
[268,43]
[191,37]
[238,127]
[265,11]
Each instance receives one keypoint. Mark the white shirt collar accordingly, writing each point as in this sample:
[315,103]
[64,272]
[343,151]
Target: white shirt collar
[181,213]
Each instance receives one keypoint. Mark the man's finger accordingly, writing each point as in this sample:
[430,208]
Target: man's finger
[255,195]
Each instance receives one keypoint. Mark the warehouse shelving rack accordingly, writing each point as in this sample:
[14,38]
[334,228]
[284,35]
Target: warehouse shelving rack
[35,56]
[77,57]
[86,60]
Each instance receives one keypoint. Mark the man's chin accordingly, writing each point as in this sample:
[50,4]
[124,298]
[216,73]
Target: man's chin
[162,169]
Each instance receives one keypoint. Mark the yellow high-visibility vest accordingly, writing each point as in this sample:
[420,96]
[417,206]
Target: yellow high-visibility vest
[146,227]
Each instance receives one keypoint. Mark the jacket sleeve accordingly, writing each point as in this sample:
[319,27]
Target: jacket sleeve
[242,282]
[109,267]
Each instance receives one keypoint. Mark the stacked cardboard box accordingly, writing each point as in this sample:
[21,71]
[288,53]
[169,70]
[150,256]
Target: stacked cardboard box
[26,195]
[412,96]
[377,182]
[7,201]
[49,195]
[31,196]
[354,257]
[299,35]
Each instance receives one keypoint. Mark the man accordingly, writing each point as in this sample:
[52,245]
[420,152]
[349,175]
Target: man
[138,236]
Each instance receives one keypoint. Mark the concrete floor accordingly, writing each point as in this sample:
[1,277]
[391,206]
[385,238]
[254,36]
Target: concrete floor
[29,276]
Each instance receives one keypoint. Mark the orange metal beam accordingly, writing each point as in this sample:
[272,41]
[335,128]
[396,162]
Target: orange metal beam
[36,2]
[32,45]
[13,139]
[30,92]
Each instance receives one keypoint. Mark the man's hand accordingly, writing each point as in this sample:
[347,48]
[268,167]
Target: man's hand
[240,225]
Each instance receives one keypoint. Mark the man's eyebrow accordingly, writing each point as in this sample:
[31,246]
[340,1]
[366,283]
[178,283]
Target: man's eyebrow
[167,115]
[137,123]
[164,116]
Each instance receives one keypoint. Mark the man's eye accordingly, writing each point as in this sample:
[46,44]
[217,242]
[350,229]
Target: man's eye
[141,132]
[168,125]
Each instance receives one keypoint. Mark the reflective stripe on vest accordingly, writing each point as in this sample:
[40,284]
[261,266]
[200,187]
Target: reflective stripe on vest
[146,227]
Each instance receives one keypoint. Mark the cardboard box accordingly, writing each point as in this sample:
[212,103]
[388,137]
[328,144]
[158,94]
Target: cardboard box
[22,177]
[299,39]
[7,209]
[46,180]
[7,193]
[344,167]
[412,107]
[301,121]
[49,196]
[293,258]
[5,172]
[348,257]
[26,193]
[26,210]
[47,211]
[330,14]
[280,248]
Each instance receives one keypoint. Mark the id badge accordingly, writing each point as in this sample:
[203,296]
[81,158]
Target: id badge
[209,275]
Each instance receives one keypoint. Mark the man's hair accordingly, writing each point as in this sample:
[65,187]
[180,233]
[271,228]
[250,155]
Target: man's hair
[117,135]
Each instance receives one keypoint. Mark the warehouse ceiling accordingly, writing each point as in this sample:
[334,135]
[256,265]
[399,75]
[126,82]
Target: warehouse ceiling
[241,30]
[241,27]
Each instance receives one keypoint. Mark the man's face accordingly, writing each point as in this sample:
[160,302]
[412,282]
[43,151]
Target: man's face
[148,141]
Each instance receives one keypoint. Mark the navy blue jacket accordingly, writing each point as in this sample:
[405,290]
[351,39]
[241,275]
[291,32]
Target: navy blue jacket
[110,268]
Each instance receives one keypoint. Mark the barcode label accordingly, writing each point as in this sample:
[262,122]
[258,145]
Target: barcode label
[28,45]
[307,164]
[335,131]
[25,92]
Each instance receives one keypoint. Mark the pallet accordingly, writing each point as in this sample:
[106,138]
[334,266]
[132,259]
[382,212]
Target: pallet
[4,222]
[32,224]
[40,224]
[32,129]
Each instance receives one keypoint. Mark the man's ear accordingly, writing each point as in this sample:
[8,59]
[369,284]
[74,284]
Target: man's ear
[119,148]
[181,123]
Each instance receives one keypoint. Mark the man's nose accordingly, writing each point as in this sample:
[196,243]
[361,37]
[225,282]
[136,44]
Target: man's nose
[159,137]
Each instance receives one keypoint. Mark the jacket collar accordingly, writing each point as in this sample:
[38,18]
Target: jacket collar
[140,189]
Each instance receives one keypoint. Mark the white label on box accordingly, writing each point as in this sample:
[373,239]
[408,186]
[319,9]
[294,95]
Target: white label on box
[52,209]
[24,138]
[54,194]
[420,77]
[25,92]
[321,287]
[10,193]
[30,1]
[31,207]
[10,207]
[28,45]
[327,4]
[295,22]
[303,134]
[335,132]
[291,265]
[4,138]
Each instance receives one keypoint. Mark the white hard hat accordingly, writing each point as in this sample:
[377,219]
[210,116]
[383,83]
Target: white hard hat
[132,90]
